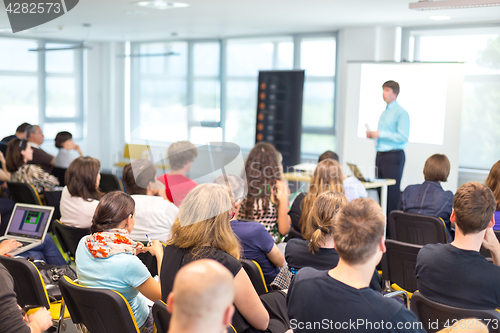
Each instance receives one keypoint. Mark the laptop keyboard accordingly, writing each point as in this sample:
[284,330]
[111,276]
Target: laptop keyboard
[25,243]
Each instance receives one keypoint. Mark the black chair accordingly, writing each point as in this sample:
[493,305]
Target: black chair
[53,199]
[252,268]
[59,173]
[24,193]
[398,265]
[417,229]
[428,311]
[69,237]
[100,310]
[110,182]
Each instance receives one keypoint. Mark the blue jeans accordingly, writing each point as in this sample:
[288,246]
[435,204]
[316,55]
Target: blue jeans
[47,252]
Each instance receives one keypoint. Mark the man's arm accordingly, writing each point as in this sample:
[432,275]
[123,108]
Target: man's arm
[402,132]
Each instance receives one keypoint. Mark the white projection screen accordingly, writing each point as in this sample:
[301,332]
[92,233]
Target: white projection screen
[432,95]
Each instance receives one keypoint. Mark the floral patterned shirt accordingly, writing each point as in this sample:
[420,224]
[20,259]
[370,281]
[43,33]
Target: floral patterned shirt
[36,176]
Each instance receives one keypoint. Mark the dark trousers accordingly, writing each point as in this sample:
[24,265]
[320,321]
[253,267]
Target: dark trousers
[390,164]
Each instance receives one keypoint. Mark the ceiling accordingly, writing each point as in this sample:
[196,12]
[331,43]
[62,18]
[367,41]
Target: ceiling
[121,20]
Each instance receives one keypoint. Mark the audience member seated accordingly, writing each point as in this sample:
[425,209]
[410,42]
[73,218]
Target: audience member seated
[154,214]
[353,187]
[202,298]
[177,185]
[429,198]
[202,231]
[13,319]
[267,199]
[19,152]
[493,182]
[47,251]
[107,258]
[257,244]
[68,150]
[20,133]
[457,274]
[40,157]
[341,295]
[327,176]
[4,173]
[81,194]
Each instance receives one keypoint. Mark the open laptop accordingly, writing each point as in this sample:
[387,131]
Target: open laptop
[28,224]
[355,171]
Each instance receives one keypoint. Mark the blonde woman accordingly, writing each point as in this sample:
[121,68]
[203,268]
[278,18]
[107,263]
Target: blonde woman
[202,231]
[327,176]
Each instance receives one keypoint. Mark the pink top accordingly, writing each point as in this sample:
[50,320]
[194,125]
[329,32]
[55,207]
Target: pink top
[177,187]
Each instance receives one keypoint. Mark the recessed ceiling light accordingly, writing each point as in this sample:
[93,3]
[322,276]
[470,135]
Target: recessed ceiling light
[439,18]
[161,4]
[452,4]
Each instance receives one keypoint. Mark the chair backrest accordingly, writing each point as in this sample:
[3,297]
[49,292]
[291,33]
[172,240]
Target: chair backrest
[135,152]
[100,310]
[428,311]
[417,229]
[110,182]
[59,173]
[398,264]
[53,199]
[255,274]
[28,283]
[69,236]
[24,193]
[161,316]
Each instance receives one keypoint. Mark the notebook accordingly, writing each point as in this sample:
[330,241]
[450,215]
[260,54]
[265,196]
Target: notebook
[28,224]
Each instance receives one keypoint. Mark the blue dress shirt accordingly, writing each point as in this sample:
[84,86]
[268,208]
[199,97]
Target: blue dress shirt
[394,127]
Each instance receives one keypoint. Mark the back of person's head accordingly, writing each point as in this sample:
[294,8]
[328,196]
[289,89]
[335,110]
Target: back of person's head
[493,182]
[474,206]
[112,209]
[203,219]
[393,85]
[82,176]
[202,295]
[322,217]
[263,171]
[30,130]
[437,168]
[327,176]
[14,157]
[61,138]
[235,184]
[22,128]
[328,155]
[181,153]
[358,229]
[137,175]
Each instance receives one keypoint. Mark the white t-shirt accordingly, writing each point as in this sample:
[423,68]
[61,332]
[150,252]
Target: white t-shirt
[153,217]
[76,211]
[354,189]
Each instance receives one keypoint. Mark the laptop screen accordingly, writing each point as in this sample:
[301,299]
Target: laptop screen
[30,222]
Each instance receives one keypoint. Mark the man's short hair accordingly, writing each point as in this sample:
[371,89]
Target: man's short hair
[393,85]
[328,155]
[181,153]
[137,175]
[437,168]
[22,128]
[357,230]
[474,206]
[31,129]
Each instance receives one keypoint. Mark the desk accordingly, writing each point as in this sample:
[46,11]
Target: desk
[306,177]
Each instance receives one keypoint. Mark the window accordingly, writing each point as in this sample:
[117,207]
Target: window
[479,48]
[27,78]
[183,91]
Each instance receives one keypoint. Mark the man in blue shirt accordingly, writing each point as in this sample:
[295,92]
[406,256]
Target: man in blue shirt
[392,139]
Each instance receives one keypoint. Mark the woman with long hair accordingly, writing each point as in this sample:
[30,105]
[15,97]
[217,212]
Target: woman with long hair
[327,176]
[493,182]
[107,257]
[81,194]
[267,199]
[202,231]
[19,153]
